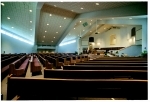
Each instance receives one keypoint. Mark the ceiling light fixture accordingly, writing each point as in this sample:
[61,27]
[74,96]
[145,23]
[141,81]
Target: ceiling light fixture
[100,19]
[2,4]
[8,17]
[42,41]
[50,14]
[74,28]
[130,18]
[83,30]
[81,8]
[56,32]
[80,21]
[104,28]
[30,21]
[55,5]
[30,10]
[47,24]
[91,20]
[45,31]
[112,18]
[44,36]
[97,3]
[72,10]
[64,17]
[12,27]
[60,26]
[54,37]
[30,29]
[52,41]
[90,31]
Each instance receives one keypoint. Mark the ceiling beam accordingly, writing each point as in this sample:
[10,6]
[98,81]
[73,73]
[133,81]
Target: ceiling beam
[38,9]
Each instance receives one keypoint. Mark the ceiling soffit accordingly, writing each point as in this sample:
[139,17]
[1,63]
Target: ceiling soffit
[59,17]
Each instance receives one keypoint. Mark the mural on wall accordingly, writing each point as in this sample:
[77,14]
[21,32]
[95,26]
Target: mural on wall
[113,39]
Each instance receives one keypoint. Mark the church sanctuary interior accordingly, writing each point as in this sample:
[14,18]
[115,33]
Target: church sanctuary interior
[74,50]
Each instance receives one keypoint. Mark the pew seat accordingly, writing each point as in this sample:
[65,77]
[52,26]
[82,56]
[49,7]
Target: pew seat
[63,88]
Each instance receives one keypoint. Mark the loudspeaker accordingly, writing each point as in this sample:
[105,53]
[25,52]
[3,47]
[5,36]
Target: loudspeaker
[91,39]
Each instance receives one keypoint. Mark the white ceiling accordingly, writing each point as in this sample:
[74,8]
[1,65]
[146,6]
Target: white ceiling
[20,18]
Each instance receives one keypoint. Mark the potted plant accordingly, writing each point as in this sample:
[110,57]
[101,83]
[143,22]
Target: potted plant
[144,53]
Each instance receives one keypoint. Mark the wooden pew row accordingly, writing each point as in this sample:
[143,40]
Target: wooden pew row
[19,67]
[5,66]
[37,89]
[120,59]
[115,64]
[95,74]
[115,61]
[103,67]
[42,60]
[35,64]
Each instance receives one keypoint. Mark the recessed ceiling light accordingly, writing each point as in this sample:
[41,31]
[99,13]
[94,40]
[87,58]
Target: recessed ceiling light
[52,41]
[12,27]
[8,17]
[44,36]
[30,10]
[90,31]
[47,24]
[80,21]
[50,14]
[55,5]
[30,29]
[69,34]
[56,32]
[59,26]
[100,19]
[91,20]
[74,28]
[72,10]
[112,18]
[130,18]
[30,21]
[122,25]
[104,28]
[83,30]
[30,35]
[54,37]
[97,3]
[81,8]
[64,17]
[45,31]
[2,4]
[42,41]
[90,23]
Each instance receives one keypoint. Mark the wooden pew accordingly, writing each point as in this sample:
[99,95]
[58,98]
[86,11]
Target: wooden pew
[115,61]
[19,67]
[35,65]
[42,60]
[115,64]
[119,59]
[95,74]
[50,88]
[5,66]
[103,67]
